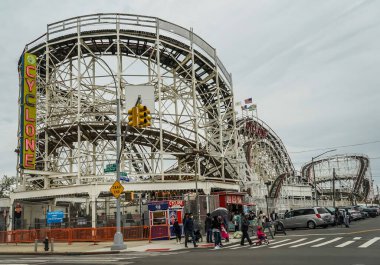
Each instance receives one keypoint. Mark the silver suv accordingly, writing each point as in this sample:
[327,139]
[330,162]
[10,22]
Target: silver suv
[306,217]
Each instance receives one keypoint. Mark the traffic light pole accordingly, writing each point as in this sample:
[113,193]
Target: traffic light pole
[118,242]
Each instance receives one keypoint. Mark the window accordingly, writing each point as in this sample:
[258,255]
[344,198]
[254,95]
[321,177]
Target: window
[310,211]
[289,215]
[299,212]
[322,210]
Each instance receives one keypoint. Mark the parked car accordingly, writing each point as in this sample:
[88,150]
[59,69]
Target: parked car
[355,215]
[332,210]
[360,209]
[375,207]
[306,217]
[372,212]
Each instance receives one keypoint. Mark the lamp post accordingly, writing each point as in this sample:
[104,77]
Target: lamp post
[315,184]
[333,187]
[268,183]
[196,152]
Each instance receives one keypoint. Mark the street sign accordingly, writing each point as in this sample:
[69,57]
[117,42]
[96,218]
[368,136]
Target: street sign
[54,217]
[110,168]
[126,179]
[116,189]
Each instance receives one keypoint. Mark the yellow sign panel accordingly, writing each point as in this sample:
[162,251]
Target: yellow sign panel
[28,111]
[116,189]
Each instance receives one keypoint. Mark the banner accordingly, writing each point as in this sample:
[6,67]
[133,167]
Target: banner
[28,112]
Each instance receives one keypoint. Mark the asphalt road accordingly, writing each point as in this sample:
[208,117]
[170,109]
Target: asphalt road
[357,245]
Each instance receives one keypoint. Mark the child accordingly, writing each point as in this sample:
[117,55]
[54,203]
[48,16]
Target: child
[261,236]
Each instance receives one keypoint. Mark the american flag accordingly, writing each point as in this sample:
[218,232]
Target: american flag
[248,101]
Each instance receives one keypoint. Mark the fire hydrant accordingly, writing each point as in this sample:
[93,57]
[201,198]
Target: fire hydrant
[46,244]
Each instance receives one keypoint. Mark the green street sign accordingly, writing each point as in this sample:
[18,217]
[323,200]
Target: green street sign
[110,168]
[123,174]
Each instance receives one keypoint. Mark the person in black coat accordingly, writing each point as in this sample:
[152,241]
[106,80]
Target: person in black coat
[208,229]
[244,230]
[189,230]
[177,231]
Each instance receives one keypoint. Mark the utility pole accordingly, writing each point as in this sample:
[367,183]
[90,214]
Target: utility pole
[333,187]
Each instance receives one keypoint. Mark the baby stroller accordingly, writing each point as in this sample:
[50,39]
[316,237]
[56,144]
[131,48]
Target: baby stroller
[261,237]
[198,236]
[262,240]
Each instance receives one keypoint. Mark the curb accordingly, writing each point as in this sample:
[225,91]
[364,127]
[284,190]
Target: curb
[60,253]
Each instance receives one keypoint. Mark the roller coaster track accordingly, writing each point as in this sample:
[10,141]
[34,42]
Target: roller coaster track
[361,184]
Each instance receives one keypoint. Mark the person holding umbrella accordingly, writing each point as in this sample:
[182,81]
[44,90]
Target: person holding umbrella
[244,230]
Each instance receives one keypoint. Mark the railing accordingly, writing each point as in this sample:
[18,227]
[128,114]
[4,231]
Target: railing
[70,235]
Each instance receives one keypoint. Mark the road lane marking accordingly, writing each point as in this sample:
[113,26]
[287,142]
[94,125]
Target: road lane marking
[263,245]
[327,242]
[357,238]
[369,242]
[232,246]
[289,243]
[306,243]
[344,244]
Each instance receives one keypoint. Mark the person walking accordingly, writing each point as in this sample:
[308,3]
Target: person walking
[268,225]
[216,229]
[260,219]
[244,230]
[189,230]
[236,221]
[346,218]
[177,231]
[208,228]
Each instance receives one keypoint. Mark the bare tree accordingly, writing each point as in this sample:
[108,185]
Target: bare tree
[6,186]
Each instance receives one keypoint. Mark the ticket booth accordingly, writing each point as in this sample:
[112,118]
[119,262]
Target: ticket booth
[162,215]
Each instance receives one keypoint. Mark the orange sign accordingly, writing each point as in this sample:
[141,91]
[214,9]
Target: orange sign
[116,189]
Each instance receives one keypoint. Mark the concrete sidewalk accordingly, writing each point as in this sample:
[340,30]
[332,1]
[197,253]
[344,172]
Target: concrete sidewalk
[88,248]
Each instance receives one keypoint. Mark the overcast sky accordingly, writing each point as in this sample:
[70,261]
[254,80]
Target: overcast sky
[312,67]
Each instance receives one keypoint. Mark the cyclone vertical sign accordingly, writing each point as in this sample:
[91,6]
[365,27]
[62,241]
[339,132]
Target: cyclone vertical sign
[28,112]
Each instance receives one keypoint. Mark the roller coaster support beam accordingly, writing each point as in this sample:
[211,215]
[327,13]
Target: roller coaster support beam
[315,184]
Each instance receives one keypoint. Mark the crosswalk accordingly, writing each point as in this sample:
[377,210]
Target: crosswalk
[337,242]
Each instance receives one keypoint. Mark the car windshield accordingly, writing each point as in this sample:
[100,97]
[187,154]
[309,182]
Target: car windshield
[322,210]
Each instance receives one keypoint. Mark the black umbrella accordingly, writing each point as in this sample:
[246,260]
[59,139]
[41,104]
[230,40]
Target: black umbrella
[221,211]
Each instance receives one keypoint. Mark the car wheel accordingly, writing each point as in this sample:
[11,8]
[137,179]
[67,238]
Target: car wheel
[293,229]
[311,225]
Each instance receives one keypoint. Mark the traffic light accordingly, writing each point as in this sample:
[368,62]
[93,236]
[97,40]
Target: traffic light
[144,117]
[129,196]
[133,117]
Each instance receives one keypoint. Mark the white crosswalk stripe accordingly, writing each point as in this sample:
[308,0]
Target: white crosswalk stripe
[289,243]
[369,242]
[345,244]
[327,242]
[310,242]
[307,243]
[271,244]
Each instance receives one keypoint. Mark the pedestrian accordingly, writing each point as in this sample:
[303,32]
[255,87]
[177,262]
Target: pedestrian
[346,218]
[260,219]
[336,217]
[268,225]
[274,216]
[177,231]
[216,228]
[236,221]
[189,230]
[244,230]
[208,228]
